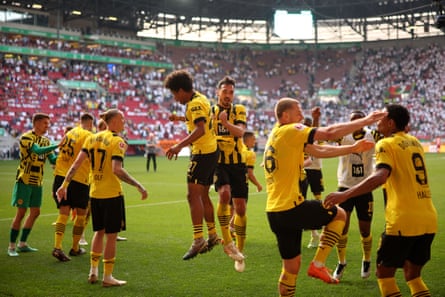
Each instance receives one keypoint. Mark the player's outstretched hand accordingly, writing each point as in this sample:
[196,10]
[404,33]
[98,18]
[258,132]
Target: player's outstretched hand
[363,145]
[143,191]
[333,199]
[173,152]
[375,116]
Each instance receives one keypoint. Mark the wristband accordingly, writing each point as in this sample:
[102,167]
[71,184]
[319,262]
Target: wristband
[65,184]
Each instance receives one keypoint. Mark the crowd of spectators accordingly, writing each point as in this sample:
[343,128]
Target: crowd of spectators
[418,76]
[366,78]
[81,46]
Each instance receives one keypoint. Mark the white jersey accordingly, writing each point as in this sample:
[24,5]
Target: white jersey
[315,165]
[354,168]
[315,162]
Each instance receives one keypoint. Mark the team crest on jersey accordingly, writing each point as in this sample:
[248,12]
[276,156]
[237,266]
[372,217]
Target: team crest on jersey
[121,145]
[299,126]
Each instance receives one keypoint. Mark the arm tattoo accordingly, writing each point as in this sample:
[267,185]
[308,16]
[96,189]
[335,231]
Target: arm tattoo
[127,178]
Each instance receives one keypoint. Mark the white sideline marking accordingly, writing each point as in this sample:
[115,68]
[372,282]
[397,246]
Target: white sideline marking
[130,206]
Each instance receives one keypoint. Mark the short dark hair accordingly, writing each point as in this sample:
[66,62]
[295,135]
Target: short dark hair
[248,134]
[399,114]
[179,79]
[358,112]
[307,121]
[227,80]
[86,116]
[39,116]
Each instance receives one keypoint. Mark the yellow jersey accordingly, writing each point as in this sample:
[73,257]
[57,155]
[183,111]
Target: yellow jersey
[69,149]
[283,165]
[250,157]
[198,108]
[230,147]
[102,148]
[409,210]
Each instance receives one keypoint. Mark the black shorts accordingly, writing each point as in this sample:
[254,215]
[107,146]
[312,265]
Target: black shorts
[315,180]
[202,168]
[395,250]
[288,225]
[234,175]
[77,194]
[364,205]
[303,187]
[108,214]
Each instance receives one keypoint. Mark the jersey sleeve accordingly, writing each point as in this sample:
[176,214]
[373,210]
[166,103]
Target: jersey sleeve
[240,114]
[119,149]
[197,111]
[383,155]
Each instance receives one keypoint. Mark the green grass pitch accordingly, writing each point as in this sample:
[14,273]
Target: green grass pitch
[159,232]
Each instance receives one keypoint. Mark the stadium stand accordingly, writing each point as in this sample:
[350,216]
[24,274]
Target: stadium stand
[366,77]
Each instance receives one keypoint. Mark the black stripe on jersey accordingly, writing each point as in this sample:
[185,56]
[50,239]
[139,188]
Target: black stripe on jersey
[117,158]
[386,166]
[310,139]
[199,120]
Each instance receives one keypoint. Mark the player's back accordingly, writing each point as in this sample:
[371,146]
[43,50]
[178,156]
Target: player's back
[102,148]
[409,210]
[69,149]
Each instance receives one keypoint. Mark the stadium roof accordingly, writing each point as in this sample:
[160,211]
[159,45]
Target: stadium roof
[235,9]
[179,19]
[264,9]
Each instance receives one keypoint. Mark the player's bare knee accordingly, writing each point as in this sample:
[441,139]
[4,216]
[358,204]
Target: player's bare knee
[341,214]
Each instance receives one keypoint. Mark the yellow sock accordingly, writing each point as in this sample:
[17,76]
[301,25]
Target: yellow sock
[94,259]
[79,226]
[329,237]
[211,229]
[287,283]
[60,230]
[240,229]
[341,248]
[388,287]
[108,267]
[197,231]
[418,288]
[223,211]
[366,247]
